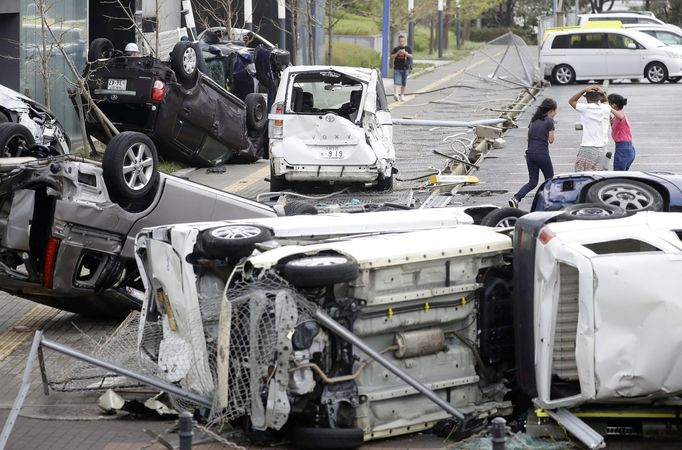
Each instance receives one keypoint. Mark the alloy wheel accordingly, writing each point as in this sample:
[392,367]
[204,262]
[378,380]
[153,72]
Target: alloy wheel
[138,166]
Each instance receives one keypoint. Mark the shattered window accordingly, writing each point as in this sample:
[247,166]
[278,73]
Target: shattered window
[325,92]
[621,246]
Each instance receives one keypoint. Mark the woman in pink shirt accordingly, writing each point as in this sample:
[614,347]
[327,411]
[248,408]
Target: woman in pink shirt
[621,133]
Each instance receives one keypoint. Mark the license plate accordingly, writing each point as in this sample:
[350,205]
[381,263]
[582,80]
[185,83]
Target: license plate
[116,84]
[331,153]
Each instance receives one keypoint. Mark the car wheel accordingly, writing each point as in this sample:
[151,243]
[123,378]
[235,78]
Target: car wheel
[502,217]
[626,194]
[99,48]
[256,113]
[563,74]
[184,61]
[327,438]
[320,270]
[231,241]
[384,184]
[15,140]
[592,211]
[130,166]
[674,79]
[299,208]
[656,73]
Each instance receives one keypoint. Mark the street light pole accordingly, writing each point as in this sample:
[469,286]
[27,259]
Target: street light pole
[410,29]
[386,32]
[440,28]
[248,15]
[281,18]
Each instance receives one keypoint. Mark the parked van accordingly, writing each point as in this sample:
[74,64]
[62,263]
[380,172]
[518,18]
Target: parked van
[625,18]
[607,53]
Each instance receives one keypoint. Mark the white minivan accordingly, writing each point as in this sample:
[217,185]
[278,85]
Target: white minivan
[639,18]
[331,124]
[608,53]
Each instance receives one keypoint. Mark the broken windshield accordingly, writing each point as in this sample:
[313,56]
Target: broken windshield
[325,92]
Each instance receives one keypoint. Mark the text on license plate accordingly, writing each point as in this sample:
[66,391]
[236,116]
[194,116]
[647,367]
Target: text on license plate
[116,84]
[331,153]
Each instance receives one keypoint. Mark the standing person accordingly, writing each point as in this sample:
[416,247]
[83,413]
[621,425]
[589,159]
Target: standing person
[621,133]
[401,57]
[540,135]
[594,116]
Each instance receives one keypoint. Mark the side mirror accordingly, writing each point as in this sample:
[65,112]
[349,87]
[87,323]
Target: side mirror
[632,46]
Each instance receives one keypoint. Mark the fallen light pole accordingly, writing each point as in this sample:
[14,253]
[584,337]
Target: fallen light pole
[448,123]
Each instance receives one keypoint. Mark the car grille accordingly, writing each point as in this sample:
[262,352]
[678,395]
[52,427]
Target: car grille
[564,365]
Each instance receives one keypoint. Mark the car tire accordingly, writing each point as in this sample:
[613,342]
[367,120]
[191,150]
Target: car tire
[502,217]
[15,139]
[628,195]
[674,79]
[99,48]
[130,166]
[299,208]
[278,183]
[256,114]
[320,270]
[656,72]
[184,60]
[385,184]
[592,211]
[232,241]
[327,438]
[563,74]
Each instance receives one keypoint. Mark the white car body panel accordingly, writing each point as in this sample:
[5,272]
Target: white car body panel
[629,316]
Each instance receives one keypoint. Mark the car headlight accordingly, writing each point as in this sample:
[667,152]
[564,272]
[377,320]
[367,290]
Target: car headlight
[673,54]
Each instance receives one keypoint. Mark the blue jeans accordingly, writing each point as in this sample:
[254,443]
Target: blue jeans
[536,162]
[625,154]
[400,77]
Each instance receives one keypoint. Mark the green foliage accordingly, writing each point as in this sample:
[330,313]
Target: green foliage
[356,25]
[348,54]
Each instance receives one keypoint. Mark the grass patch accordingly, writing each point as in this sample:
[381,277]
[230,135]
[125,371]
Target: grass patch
[170,166]
[356,25]
[349,54]
[451,53]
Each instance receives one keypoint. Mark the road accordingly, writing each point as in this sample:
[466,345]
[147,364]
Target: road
[73,421]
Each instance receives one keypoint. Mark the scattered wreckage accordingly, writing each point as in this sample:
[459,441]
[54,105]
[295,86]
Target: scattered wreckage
[331,125]
[562,313]
[207,105]
[25,122]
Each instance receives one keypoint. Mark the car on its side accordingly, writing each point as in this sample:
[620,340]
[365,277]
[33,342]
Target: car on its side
[25,122]
[180,106]
[331,125]
[639,18]
[609,53]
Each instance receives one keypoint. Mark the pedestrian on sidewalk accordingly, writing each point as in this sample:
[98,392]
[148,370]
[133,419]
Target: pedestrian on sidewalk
[594,116]
[540,135]
[402,64]
[621,133]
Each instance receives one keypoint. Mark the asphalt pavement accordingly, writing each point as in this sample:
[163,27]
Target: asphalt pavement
[454,91]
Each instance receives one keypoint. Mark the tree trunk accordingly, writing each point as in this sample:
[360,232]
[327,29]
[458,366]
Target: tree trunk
[431,37]
[446,30]
[330,31]
[466,30]
[44,55]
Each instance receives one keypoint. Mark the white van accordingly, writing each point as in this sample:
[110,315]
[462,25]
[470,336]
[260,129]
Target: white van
[607,53]
[625,18]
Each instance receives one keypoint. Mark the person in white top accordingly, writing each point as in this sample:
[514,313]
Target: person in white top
[594,116]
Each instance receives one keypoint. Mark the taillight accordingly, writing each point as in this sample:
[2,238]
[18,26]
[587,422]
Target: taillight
[278,130]
[545,236]
[50,258]
[158,90]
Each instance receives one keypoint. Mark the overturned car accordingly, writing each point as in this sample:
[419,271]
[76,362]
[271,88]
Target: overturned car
[479,317]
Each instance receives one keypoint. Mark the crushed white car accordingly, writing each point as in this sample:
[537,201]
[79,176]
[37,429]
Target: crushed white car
[331,125]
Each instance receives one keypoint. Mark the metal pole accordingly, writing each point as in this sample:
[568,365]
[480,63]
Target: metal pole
[23,390]
[577,11]
[248,15]
[185,430]
[281,16]
[376,356]
[446,123]
[154,382]
[498,431]
[385,42]
[440,28]
[554,12]
[410,27]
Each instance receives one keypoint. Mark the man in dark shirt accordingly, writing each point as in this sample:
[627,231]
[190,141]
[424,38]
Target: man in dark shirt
[402,62]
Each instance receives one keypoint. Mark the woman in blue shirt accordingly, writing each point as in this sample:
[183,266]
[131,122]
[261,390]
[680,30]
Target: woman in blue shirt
[540,135]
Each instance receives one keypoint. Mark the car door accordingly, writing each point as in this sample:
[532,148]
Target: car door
[624,56]
[376,118]
[586,54]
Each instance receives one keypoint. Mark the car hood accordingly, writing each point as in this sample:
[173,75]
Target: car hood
[11,99]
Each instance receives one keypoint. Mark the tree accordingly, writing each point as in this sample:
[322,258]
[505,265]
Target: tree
[598,6]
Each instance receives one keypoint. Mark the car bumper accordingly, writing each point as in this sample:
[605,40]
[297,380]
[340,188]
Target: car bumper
[320,172]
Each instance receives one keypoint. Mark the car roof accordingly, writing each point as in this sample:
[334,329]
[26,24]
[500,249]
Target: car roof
[651,26]
[622,14]
[360,73]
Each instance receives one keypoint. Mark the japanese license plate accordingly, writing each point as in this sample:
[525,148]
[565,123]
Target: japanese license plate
[116,84]
[331,153]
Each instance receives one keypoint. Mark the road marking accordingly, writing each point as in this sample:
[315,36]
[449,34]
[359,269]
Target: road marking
[243,183]
[33,320]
